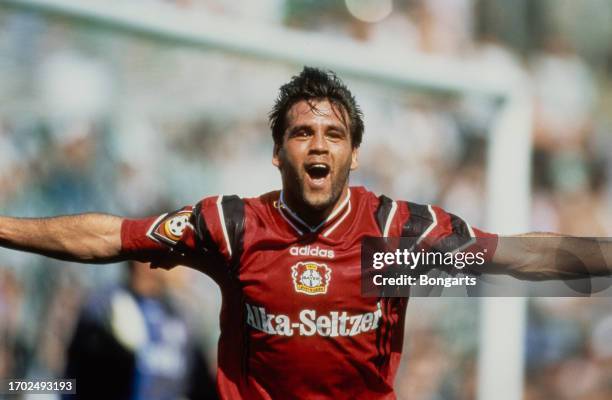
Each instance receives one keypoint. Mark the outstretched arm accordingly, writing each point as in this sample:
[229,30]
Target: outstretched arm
[546,256]
[88,238]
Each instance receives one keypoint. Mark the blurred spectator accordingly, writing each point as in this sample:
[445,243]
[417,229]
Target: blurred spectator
[63,294]
[564,94]
[564,359]
[13,349]
[131,342]
[445,26]
[12,171]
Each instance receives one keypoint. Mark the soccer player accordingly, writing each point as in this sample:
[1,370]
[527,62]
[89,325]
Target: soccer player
[293,321]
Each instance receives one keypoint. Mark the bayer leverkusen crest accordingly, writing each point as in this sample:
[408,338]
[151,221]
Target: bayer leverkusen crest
[310,277]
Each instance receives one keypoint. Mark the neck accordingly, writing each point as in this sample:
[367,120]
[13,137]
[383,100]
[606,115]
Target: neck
[311,215]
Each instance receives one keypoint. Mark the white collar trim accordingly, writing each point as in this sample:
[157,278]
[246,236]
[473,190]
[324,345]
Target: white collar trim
[284,207]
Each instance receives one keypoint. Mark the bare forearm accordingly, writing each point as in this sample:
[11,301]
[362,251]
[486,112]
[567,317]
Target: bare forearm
[93,238]
[543,256]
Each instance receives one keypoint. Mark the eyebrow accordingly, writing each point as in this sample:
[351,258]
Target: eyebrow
[336,126]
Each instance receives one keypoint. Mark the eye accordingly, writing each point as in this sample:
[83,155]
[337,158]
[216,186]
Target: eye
[300,133]
[335,135]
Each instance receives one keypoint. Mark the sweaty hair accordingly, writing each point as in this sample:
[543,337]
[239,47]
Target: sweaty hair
[316,84]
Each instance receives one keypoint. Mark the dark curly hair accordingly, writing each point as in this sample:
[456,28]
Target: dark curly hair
[315,84]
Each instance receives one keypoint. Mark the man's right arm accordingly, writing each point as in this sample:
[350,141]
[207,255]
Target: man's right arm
[87,238]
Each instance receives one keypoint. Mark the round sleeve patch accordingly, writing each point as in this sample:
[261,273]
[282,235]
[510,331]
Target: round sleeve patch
[169,228]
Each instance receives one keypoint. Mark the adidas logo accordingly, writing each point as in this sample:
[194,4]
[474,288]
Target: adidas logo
[313,251]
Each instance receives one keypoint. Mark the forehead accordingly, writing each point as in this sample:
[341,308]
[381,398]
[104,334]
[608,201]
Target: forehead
[317,112]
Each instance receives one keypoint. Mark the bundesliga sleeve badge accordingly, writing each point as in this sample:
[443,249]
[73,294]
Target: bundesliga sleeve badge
[310,277]
[169,228]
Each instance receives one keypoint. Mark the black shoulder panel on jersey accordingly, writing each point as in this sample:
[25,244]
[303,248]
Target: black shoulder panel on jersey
[460,227]
[233,213]
[459,238]
[382,212]
[203,236]
[419,221]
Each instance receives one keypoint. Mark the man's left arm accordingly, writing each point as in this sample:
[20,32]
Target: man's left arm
[547,256]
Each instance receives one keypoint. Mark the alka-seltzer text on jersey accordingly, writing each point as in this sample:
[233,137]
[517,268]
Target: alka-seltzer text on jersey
[293,321]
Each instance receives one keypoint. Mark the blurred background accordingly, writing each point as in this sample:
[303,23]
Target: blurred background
[98,118]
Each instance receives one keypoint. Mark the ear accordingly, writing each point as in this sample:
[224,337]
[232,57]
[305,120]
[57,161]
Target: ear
[275,156]
[354,157]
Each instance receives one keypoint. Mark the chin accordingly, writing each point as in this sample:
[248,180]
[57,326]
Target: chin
[319,202]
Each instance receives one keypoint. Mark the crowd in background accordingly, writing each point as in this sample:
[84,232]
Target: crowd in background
[96,120]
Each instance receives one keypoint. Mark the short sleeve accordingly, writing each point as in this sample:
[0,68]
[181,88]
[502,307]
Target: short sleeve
[170,239]
[459,235]
[439,230]
[165,240]
[199,236]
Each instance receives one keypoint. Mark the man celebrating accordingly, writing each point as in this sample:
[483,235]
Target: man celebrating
[293,322]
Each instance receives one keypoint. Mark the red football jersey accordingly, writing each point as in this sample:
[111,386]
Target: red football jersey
[293,321]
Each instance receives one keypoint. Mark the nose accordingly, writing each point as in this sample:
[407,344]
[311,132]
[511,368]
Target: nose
[318,144]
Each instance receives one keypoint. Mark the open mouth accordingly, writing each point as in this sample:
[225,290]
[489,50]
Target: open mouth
[317,173]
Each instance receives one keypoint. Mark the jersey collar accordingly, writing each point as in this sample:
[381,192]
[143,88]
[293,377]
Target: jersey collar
[334,219]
